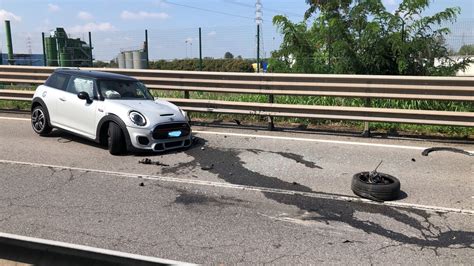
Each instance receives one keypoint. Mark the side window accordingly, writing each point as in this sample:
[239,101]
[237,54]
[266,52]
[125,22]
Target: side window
[78,84]
[58,81]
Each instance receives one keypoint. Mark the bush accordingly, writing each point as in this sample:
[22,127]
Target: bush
[208,64]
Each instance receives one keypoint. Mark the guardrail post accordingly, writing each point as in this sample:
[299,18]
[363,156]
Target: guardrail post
[366,132]
[271,126]
[186,96]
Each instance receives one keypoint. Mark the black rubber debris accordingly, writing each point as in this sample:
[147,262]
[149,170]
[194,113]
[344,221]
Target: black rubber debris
[207,167]
[237,122]
[141,184]
[151,162]
[196,140]
[456,150]
[413,160]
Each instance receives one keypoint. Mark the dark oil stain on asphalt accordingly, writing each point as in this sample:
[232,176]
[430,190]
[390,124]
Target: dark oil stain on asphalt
[194,198]
[292,156]
[325,210]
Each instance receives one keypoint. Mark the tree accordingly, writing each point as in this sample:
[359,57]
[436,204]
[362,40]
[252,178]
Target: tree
[228,55]
[362,37]
[467,49]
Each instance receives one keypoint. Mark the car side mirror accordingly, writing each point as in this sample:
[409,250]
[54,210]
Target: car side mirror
[84,96]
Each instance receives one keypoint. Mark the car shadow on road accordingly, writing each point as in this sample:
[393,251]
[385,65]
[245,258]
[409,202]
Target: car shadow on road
[228,166]
[66,137]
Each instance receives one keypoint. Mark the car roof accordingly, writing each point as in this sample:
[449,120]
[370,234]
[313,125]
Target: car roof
[94,74]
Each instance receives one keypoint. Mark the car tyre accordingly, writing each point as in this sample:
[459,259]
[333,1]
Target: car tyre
[39,121]
[115,139]
[387,190]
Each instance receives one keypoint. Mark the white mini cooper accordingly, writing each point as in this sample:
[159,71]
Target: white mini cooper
[111,109]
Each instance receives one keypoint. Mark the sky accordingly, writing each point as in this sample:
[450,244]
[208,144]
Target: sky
[227,25]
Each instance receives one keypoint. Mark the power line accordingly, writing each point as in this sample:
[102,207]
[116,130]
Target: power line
[209,10]
[276,11]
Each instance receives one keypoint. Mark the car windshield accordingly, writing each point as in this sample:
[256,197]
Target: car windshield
[123,89]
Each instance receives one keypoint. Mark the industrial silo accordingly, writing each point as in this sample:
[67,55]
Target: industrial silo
[139,60]
[121,60]
[65,59]
[51,51]
[128,59]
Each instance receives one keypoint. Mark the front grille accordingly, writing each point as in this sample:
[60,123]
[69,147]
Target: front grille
[161,131]
[173,144]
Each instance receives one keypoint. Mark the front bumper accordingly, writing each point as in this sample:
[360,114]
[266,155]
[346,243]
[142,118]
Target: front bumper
[142,139]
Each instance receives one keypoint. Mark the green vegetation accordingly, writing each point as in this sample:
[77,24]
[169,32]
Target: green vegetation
[362,37]
[228,55]
[15,105]
[467,49]
[209,64]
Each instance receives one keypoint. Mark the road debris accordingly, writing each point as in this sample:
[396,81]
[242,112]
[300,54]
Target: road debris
[413,159]
[142,184]
[207,167]
[196,140]
[237,122]
[64,140]
[149,161]
[376,186]
[456,150]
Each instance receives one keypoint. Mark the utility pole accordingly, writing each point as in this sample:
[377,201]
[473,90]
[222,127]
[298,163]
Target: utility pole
[91,60]
[258,48]
[44,50]
[259,21]
[28,46]
[200,50]
[146,49]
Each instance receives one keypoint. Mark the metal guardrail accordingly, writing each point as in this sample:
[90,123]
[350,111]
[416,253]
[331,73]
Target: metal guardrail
[35,251]
[349,86]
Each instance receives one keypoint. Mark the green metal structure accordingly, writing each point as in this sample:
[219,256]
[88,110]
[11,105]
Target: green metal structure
[67,52]
[11,59]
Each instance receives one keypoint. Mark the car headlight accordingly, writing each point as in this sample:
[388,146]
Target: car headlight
[137,118]
[184,113]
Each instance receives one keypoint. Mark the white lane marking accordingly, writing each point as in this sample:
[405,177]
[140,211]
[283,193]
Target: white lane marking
[14,118]
[74,249]
[285,138]
[313,140]
[317,195]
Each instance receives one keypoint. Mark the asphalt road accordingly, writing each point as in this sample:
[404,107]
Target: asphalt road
[240,196]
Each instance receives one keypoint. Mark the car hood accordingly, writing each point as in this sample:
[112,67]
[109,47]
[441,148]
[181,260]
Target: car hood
[155,112]
[151,107]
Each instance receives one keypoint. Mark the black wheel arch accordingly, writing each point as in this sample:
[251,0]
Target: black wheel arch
[102,126]
[39,102]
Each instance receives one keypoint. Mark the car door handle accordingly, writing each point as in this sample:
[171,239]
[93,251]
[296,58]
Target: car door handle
[62,99]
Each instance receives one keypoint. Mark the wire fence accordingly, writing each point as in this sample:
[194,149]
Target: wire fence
[182,43]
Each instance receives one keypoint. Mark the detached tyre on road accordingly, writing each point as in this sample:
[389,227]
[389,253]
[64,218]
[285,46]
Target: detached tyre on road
[39,121]
[381,187]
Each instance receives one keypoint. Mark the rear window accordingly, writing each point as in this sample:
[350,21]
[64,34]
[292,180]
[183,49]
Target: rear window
[58,81]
